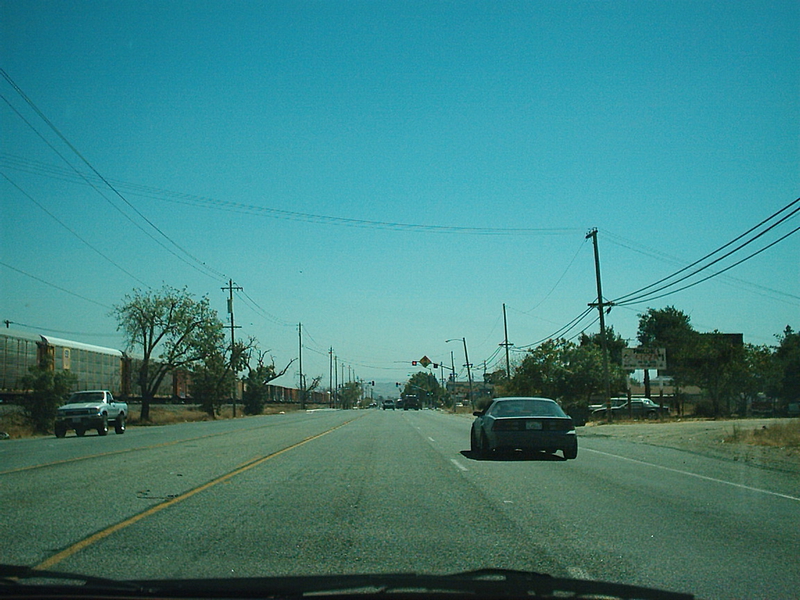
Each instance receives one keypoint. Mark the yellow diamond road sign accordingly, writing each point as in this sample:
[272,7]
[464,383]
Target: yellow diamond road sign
[425,361]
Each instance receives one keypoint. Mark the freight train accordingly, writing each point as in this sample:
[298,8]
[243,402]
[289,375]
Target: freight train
[94,367]
[98,368]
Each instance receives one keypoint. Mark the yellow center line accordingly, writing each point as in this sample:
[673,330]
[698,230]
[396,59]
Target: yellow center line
[126,450]
[86,542]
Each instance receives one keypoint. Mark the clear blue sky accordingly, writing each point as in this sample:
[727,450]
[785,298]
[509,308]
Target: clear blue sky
[285,145]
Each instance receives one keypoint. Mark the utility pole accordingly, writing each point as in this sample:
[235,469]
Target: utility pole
[601,310]
[506,344]
[469,374]
[336,384]
[230,287]
[300,354]
[330,378]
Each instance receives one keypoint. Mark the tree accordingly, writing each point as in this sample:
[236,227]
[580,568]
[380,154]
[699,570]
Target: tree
[426,387]
[172,330]
[669,328]
[214,378]
[48,390]
[787,358]
[256,392]
[717,364]
[350,394]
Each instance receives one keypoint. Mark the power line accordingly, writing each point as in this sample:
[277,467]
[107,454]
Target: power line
[715,274]
[195,261]
[640,295]
[72,231]
[252,209]
[66,291]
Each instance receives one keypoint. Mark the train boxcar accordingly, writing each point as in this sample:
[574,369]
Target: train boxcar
[94,367]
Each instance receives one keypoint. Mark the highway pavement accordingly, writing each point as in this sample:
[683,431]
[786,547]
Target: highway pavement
[392,491]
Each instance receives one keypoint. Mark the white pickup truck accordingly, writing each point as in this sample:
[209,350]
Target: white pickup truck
[93,409]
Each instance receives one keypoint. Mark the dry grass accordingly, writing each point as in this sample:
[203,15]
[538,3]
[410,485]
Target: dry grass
[779,435]
[14,424]
[169,414]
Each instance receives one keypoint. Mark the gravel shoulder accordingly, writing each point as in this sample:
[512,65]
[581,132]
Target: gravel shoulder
[707,437]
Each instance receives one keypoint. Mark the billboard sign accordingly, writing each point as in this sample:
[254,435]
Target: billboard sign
[644,358]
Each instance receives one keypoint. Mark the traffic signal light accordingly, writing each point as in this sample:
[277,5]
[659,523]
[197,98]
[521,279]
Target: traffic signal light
[414,363]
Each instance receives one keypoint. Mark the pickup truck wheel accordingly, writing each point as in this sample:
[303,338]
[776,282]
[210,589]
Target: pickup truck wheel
[61,431]
[119,424]
[102,429]
[80,431]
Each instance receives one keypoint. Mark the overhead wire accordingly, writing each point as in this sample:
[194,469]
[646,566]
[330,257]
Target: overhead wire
[252,209]
[193,260]
[715,274]
[53,285]
[72,231]
[641,295]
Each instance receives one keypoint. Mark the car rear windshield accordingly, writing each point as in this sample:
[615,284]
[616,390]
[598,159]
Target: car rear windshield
[527,408]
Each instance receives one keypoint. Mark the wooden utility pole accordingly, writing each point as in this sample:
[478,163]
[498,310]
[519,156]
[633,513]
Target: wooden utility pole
[601,310]
[230,287]
[506,344]
[300,355]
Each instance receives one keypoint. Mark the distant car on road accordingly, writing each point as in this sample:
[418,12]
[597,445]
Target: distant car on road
[388,404]
[639,408]
[523,423]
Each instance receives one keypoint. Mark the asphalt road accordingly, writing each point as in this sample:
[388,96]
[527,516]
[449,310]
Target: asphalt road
[389,491]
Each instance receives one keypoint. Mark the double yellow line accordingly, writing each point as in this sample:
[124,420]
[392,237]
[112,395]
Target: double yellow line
[86,542]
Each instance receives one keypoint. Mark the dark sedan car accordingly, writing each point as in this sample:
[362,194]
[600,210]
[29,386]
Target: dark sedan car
[523,424]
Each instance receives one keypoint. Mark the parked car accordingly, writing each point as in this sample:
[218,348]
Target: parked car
[522,423]
[639,408]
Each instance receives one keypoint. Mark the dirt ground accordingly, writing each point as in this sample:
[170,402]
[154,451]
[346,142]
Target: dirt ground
[712,438]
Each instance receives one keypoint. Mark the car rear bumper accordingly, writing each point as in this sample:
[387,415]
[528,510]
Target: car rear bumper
[526,440]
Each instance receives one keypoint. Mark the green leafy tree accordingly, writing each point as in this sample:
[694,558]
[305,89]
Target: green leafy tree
[48,389]
[172,330]
[426,387]
[671,329]
[787,359]
[717,364]
[214,378]
[349,394]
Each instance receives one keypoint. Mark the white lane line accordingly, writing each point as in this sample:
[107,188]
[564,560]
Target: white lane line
[705,477]
[431,439]
[458,464]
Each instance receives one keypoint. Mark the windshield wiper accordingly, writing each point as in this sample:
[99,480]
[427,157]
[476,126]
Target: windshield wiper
[15,575]
[488,583]
[483,583]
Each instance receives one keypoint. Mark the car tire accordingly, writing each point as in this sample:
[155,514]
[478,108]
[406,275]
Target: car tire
[102,429]
[483,448]
[61,431]
[571,452]
[119,424]
[80,430]
[473,443]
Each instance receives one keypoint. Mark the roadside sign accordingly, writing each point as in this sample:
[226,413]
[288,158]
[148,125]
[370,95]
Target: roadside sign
[644,358]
